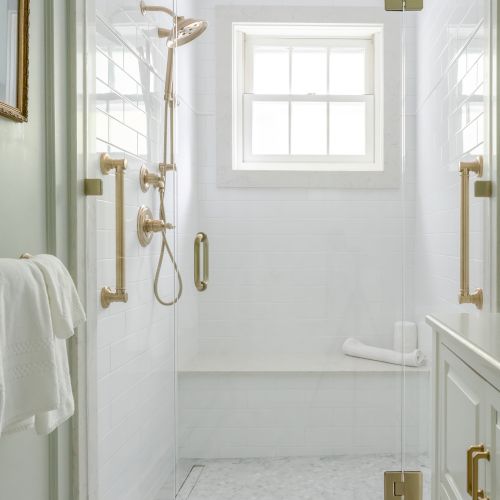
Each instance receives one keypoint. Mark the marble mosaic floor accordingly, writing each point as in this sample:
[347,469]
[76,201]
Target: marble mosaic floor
[311,478]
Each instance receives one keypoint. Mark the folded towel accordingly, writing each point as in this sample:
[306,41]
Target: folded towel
[28,381]
[358,349]
[67,313]
[405,336]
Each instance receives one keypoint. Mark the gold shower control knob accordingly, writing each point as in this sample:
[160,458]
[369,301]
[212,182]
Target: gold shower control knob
[147,226]
[154,226]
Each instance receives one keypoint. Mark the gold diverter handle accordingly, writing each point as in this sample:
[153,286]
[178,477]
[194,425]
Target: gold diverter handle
[201,284]
[465,297]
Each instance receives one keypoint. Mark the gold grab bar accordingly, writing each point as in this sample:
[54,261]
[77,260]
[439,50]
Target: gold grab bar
[477,493]
[465,296]
[201,284]
[120,294]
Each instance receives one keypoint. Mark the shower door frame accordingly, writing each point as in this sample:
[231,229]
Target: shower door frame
[81,50]
[66,117]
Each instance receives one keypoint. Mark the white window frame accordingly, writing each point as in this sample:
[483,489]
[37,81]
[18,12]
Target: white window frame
[247,36]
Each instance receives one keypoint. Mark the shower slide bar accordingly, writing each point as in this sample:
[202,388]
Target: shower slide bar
[465,296]
[120,294]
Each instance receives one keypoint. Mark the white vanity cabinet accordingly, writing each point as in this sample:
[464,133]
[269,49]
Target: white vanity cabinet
[466,375]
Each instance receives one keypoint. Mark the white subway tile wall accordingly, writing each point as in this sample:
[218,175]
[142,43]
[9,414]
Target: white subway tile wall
[135,358]
[452,39]
[294,268]
[291,414]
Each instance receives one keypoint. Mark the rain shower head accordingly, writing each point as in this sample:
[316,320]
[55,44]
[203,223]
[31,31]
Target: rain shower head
[184,29]
[187,30]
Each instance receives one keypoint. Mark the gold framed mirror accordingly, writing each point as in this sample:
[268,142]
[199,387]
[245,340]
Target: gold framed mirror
[14,24]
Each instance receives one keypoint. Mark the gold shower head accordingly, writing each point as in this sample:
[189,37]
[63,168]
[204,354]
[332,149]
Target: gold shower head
[187,30]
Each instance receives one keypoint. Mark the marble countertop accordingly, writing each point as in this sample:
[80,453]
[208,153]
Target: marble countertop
[480,333]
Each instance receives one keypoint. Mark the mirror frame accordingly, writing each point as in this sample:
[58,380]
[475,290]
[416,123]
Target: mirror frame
[19,112]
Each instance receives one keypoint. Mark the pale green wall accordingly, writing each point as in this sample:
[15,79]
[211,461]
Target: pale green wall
[24,458]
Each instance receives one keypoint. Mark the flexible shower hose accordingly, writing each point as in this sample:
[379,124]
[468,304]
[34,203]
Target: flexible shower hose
[166,247]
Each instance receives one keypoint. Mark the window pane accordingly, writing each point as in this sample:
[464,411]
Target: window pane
[309,70]
[269,128]
[271,70]
[309,128]
[347,71]
[347,128]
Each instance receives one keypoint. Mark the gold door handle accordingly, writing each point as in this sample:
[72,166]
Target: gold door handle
[465,296]
[120,294]
[477,493]
[201,284]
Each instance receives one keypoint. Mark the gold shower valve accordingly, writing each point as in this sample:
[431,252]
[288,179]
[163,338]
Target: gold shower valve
[154,225]
[147,226]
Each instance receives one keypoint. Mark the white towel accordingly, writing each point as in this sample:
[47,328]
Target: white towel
[67,313]
[358,349]
[28,382]
[65,306]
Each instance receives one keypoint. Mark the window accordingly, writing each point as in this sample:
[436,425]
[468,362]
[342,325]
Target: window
[307,97]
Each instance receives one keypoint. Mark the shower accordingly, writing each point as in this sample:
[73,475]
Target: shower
[183,31]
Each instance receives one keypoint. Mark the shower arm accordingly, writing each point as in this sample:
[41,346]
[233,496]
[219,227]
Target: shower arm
[157,8]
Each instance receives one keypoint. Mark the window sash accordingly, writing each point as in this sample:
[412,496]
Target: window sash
[253,41]
[368,157]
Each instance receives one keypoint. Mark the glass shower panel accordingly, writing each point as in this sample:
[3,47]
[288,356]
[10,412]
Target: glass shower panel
[269,405]
[451,116]
[134,413]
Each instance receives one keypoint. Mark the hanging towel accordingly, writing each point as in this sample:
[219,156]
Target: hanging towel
[28,380]
[357,349]
[67,313]
[65,307]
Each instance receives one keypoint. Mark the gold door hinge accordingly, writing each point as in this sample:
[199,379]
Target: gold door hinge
[407,485]
[483,189]
[397,5]
[92,187]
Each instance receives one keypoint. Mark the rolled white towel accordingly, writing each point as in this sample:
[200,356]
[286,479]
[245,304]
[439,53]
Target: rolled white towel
[358,349]
[405,336]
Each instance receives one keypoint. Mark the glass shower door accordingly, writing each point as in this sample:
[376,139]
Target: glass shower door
[282,390]
[453,118]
